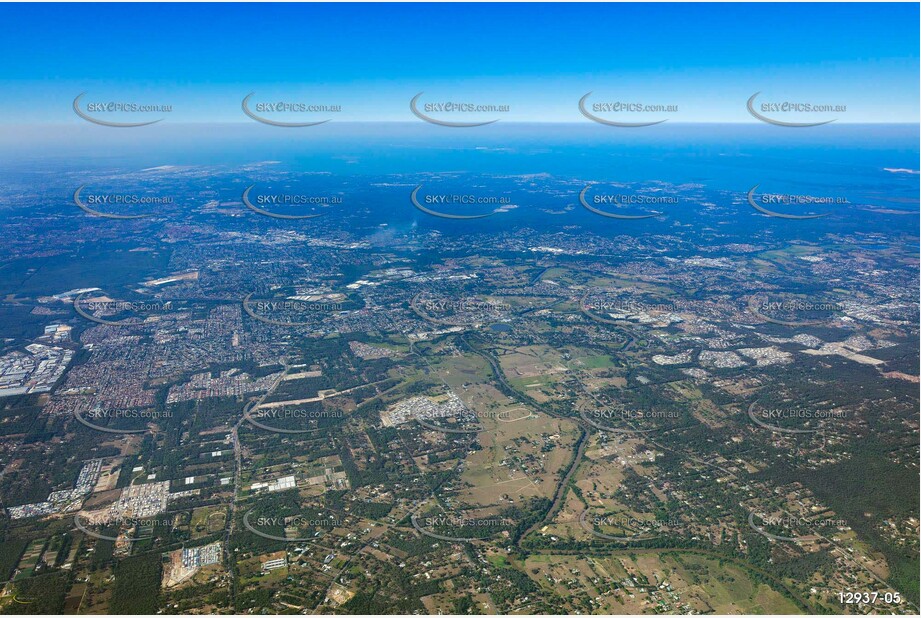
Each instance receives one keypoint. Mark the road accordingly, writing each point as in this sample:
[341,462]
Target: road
[238,470]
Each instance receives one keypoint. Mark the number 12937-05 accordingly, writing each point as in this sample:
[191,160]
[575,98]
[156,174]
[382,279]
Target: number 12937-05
[868,598]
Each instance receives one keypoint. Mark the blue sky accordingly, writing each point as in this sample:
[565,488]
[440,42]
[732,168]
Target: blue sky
[537,58]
